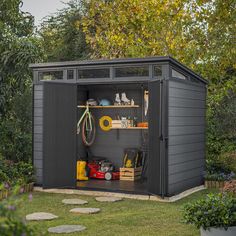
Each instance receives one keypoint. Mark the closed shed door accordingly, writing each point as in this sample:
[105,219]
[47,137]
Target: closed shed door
[154,157]
[59,135]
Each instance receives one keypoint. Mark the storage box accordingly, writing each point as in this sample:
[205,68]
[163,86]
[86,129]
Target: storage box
[116,124]
[130,174]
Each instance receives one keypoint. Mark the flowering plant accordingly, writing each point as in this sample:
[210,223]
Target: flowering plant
[10,222]
[216,210]
[220,176]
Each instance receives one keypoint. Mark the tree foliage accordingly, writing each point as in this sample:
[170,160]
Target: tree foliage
[200,34]
[18,47]
[62,35]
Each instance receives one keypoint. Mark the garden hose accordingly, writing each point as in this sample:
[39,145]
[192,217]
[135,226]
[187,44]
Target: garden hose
[102,121]
[88,141]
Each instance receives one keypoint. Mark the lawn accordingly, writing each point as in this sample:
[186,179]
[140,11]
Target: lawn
[128,217]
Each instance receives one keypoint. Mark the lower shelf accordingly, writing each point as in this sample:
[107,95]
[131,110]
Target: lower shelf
[132,128]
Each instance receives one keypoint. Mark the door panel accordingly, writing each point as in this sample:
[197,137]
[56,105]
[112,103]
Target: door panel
[154,163]
[59,135]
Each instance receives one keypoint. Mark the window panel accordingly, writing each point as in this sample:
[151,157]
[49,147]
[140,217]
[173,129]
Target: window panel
[157,71]
[70,74]
[138,71]
[178,75]
[93,73]
[51,75]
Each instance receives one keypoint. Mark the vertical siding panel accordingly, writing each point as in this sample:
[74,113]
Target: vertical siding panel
[38,132]
[186,135]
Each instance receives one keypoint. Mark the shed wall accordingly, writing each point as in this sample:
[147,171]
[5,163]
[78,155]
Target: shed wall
[38,132]
[186,129]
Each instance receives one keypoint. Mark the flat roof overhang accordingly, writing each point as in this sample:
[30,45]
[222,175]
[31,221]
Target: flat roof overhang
[120,61]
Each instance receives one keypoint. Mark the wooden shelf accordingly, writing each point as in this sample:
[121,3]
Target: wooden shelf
[112,106]
[132,128]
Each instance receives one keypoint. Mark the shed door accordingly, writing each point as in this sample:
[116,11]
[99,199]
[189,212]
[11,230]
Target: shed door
[59,135]
[154,162]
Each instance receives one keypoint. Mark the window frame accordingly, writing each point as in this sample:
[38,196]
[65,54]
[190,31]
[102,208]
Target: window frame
[129,66]
[92,68]
[51,70]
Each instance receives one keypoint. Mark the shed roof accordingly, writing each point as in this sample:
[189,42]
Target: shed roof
[118,61]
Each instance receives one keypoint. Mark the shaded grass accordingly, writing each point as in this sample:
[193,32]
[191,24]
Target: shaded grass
[128,217]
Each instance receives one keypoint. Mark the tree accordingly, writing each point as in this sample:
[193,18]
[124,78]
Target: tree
[128,28]
[200,34]
[62,36]
[18,47]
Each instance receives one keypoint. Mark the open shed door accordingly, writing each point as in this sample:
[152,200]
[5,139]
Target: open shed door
[155,165]
[59,135]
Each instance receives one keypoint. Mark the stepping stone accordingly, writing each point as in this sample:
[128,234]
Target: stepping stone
[66,229]
[41,216]
[85,210]
[74,201]
[108,199]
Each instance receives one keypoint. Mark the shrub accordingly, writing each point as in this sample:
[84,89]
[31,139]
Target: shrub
[216,210]
[15,173]
[228,161]
[15,126]
[221,168]
[25,172]
[3,177]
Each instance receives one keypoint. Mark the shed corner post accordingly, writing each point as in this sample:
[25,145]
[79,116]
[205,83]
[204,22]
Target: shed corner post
[166,73]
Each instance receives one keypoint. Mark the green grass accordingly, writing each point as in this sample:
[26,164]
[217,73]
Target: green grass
[128,217]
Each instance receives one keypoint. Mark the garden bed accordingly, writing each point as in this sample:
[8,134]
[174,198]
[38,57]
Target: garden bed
[26,188]
[214,184]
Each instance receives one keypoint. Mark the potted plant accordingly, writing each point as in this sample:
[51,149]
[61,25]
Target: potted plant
[215,215]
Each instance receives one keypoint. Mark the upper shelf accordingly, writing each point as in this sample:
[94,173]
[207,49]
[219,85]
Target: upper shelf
[112,106]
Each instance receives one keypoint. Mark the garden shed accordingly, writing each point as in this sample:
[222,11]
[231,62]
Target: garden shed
[164,118]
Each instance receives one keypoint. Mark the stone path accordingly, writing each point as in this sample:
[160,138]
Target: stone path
[85,210]
[41,216]
[74,201]
[66,229]
[108,199]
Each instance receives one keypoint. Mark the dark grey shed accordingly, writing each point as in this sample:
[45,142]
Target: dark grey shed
[176,133]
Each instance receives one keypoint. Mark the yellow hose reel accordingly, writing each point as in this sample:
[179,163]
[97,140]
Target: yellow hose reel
[103,120]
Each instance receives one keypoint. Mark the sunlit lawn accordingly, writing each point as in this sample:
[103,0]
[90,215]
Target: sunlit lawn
[128,217]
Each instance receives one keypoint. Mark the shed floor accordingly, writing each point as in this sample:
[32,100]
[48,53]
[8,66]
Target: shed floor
[137,187]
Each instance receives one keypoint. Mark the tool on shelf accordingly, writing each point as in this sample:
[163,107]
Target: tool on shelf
[123,100]
[142,124]
[92,102]
[145,102]
[104,102]
[117,100]
[105,123]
